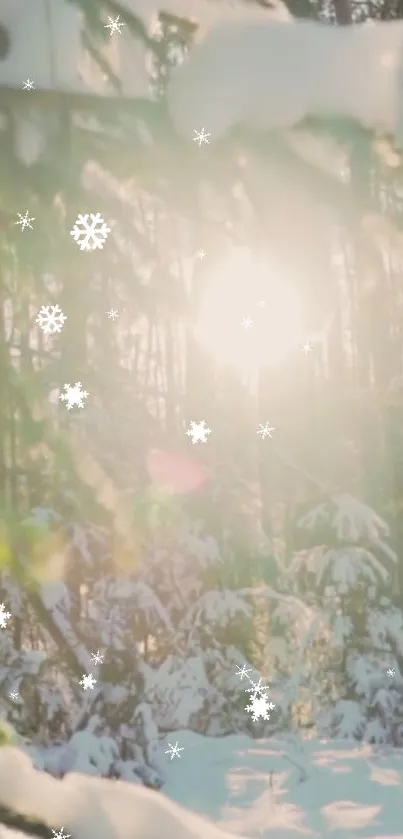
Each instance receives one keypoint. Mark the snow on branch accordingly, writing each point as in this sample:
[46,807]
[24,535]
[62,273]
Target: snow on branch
[204,12]
[273,75]
[289,604]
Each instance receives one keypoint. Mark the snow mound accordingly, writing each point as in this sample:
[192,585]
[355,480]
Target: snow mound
[93,808]
[273,74]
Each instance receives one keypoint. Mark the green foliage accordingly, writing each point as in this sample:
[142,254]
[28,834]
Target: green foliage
[8,736]
[155,509]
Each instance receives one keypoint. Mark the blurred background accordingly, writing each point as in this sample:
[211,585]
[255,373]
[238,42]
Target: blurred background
[256,281]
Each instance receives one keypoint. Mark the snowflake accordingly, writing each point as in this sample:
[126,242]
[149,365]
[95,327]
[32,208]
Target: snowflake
[243,671]
[259,706]
[257,687]
[174,750]
[266,430]
[74,395]
[97,658]
[114,24]
[200,254]
[201,137]
[88,681]
[90,235]
[4,616]
[113,313]
[58,834]
[28,85]
[247,322]
[307,348]
[262,303]
[14,695]
[25,220]
[391,672]
[51,319]
[198,431]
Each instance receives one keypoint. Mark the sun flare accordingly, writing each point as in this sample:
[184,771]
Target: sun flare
[249,316]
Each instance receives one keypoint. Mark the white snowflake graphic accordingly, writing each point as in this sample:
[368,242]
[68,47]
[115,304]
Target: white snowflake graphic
[307,348]
[257,687]
[51,319]
[174,750]
[259,707]
[114,24]
[201,137]
[74,395]
[247,322]
[391,672]
[59,834]
[28,85]
[4,616]
[200,254]
[25,220]
[14,695]
[113,313]
[90,235]
[243,671]
[266,430]
[87,681]
[259,703]
[97,658]
[198,432]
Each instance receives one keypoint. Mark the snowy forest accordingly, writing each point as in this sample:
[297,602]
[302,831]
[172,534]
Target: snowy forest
[201,419]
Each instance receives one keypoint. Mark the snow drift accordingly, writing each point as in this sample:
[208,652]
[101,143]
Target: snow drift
[273,74]
[93,808]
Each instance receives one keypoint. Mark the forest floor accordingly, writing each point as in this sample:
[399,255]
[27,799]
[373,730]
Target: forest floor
[288,788]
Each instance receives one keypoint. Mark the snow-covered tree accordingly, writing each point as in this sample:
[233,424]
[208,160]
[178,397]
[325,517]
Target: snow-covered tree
[352,635]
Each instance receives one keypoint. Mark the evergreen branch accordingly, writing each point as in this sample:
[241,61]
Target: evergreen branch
[24,824]
[92,11]
[132,21]
[102,63]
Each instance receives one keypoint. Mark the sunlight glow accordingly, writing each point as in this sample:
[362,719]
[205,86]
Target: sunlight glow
[233,297]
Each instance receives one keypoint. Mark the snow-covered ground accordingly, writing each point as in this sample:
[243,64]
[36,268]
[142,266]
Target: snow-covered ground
[223,788]
[288,788]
